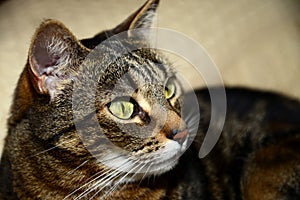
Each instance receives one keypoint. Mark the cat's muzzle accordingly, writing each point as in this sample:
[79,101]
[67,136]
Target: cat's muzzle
[178,135]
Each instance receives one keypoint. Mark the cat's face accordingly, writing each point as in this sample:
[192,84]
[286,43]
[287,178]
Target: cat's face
[121,111]
[128,108]
[138,109]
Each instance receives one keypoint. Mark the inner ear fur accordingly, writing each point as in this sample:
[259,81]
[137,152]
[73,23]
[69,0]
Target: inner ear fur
[54,51]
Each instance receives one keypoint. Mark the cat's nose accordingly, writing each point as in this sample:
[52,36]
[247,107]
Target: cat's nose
[178,135]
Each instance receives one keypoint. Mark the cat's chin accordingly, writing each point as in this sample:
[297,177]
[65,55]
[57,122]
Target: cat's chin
[167,157]
[156,170]
[156,163]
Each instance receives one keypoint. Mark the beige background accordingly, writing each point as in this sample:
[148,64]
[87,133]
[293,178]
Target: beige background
[253,42]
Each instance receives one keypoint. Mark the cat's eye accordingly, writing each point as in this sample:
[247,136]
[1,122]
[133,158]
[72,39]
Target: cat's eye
[121,109]
[170,89]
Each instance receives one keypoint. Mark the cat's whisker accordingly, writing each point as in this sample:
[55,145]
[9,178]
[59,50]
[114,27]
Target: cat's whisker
[102,172]
[145,173]
[74,191]
[91,188]
[108,182]
[191,117]
[105,181]
[121,180]
[73,170]
[126,182]
[193,123]
[90,180]
[46,150]
[107,160]
[121,168]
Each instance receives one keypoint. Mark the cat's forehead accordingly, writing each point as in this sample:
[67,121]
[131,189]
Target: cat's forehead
[142,70]
[148,67]
[122,69]
[139,66]
[145,71]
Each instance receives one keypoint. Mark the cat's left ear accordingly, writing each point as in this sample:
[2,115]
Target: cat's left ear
[53,53]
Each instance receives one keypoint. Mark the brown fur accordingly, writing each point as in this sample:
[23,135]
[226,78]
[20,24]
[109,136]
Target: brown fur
[272,171]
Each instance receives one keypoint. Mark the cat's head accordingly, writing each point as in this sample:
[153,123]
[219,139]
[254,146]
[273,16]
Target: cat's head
[119,110]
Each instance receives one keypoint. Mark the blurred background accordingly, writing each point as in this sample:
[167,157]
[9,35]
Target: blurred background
[254,43]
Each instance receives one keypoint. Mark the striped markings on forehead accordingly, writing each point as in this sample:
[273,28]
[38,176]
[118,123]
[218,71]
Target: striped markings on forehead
[148,70]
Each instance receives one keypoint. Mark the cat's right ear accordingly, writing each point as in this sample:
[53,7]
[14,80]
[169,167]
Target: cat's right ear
[144,17]
[54,51]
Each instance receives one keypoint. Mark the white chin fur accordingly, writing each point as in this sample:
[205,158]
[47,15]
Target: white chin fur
[167,157]
[157,163]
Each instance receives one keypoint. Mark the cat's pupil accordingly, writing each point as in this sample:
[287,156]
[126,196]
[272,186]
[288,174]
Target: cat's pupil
[121,109]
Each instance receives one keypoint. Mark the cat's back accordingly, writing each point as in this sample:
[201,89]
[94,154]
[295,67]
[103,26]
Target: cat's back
[257,155]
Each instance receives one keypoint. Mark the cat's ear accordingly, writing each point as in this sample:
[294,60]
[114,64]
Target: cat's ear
[144,17]
[53,52]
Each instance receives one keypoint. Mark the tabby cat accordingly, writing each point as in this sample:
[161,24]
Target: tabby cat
[51,154]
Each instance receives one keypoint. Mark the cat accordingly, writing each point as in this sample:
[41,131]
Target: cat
[50,153]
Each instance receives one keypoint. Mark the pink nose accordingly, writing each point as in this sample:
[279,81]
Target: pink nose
[178,136]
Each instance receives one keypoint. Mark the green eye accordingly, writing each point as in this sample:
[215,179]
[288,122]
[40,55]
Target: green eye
[121,109]
[170,90]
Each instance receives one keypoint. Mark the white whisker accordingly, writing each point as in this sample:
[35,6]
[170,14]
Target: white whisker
[70,172]
[145,174]
[89,181]
[104,180]
[44,151]
[120,181]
